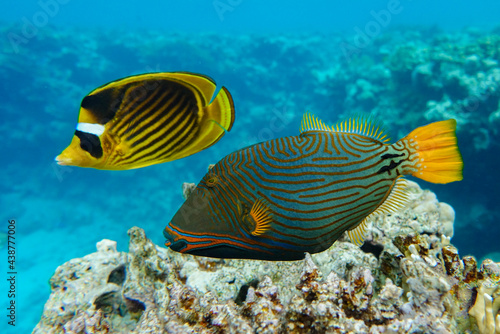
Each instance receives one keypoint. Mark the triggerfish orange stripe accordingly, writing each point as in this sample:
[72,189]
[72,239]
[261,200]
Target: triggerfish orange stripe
[281,198]
[148,119]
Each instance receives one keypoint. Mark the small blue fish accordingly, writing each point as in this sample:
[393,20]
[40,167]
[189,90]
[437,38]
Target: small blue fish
[281,198]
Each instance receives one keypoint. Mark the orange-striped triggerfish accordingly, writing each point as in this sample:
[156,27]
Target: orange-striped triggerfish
[148,119]
[281,198]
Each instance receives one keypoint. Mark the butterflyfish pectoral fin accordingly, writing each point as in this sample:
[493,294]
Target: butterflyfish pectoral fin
[261,216]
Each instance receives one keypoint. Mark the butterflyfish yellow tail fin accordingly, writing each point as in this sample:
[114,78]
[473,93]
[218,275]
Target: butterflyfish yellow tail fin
[217,115]
[221,110]
[218,118]
[438,159]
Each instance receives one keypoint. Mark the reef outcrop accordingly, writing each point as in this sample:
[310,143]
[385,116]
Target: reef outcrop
[406,278]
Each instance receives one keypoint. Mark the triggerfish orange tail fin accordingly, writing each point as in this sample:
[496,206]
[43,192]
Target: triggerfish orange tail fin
[437,158]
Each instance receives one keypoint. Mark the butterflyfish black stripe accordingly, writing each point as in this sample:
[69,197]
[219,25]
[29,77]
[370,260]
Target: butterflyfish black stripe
[166,151]
[169,106]
[129,111]
[146,110]
[159,136]
[170,142]
[151,126]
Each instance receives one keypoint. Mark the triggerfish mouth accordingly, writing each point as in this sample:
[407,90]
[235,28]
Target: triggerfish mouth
[148,119]
[281,198]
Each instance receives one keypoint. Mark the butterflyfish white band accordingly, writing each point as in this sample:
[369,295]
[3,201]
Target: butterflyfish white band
[95,129]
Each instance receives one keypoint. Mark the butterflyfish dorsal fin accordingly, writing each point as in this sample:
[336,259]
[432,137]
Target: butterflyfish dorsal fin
[219,108]
[202,83]
[260,217]
[397,199]
[361,125]
[216,117]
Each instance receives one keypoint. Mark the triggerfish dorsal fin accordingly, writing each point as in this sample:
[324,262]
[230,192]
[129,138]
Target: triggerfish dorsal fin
[396,200]
[312,123]
[361,125]
[259,218]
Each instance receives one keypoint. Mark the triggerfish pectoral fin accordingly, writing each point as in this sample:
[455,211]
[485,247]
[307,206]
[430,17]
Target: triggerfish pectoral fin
[259,219]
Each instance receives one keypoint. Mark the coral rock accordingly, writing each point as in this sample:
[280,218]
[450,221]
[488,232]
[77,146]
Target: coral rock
[407,278]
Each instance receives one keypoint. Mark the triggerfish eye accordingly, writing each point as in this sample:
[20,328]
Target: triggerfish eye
[281,198]
[148,119]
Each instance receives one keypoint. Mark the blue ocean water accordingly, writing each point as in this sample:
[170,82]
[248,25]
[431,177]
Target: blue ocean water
[278,60]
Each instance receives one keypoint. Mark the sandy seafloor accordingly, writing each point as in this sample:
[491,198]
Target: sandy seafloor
[408,76]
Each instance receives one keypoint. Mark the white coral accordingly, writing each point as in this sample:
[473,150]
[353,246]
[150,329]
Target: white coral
[486,308]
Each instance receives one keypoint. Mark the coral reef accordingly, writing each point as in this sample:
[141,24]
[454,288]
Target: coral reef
[487,306]
[407,278]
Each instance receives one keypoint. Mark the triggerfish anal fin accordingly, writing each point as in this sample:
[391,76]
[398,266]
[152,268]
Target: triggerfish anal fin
[148,119]
[396,200]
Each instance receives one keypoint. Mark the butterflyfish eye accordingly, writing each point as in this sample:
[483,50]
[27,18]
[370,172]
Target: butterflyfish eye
[91,143]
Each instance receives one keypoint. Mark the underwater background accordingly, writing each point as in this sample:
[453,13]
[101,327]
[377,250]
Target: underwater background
[406,62]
